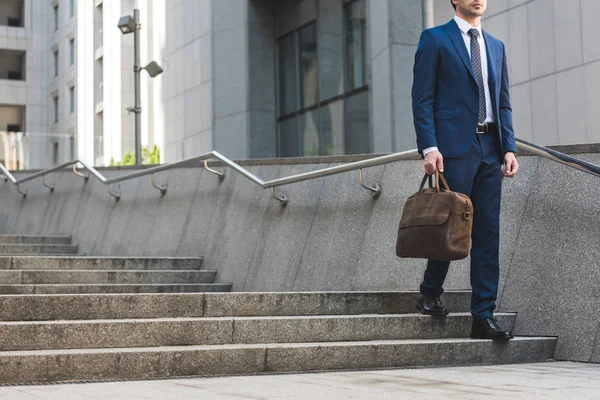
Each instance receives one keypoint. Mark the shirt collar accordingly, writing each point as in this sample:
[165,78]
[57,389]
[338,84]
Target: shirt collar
[464,26]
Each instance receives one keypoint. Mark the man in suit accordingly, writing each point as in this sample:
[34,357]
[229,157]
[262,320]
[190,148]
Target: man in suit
[463,121]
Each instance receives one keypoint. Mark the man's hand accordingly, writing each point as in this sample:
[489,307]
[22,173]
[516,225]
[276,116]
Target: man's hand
[434,160]
[512,166]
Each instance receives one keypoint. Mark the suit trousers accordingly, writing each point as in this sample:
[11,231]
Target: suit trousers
[478,175]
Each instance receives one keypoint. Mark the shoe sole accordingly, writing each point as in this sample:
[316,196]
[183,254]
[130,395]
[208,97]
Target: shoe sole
[430,313]
[500,339]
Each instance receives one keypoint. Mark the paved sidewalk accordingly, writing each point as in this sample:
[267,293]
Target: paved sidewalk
[555,380]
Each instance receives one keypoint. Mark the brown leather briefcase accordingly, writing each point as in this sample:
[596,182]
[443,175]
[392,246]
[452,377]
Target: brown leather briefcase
[436,223]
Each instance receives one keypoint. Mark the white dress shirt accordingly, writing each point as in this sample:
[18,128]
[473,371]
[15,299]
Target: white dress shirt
[464,27]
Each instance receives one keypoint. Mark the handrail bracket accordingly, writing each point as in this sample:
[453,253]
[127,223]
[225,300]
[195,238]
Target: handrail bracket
[24,194]
[281,198]
[51,186]
[117,194]
[375,189]
[220,174]
[85,176]
[163,188]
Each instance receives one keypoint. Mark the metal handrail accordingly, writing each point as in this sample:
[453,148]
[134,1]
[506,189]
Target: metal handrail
[272,184]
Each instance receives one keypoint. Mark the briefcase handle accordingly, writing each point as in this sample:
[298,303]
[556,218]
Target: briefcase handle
[438,176]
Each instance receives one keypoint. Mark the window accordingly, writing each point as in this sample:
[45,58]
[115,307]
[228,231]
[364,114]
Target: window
[56,18]
[55,63]
[71,8]
[13,21]
[71,99]
[72,51]
[323,72]
[55,109]
[287,75]
[356,44]
[309,77]
[55,153]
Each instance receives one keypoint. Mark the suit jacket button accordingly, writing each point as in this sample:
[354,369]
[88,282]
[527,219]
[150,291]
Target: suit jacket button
[475,112]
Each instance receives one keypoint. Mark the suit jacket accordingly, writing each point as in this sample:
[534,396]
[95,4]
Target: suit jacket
[445,97]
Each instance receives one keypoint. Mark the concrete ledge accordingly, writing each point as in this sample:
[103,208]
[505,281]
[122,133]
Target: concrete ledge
[35,277]
[410,353]
[100,263]
[29,239]
[120,306]
[323,303]
[8,249]
[145,363]
[99,306]
[212,331]
[114,288]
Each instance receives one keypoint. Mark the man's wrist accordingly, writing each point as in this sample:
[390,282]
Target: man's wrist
[429,150]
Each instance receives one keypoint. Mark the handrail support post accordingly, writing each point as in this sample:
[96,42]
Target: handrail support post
[220,174]
[117,194]
[51,186]
[163,188]
[282,198]
[375,189]
[85,176]
[24,194]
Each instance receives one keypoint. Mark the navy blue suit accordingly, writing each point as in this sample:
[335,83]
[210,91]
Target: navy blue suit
[445,100]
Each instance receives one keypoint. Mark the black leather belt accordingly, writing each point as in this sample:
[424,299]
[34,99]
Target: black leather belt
[488,127]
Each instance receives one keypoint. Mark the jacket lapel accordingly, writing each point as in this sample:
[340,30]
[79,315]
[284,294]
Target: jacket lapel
[455,35]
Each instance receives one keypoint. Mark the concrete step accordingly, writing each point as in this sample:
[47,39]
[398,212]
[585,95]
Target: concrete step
[23,277]
[162,362]
[32,239]
[10,249]
[114,288]
[117,306]
[100,263]
[40,335]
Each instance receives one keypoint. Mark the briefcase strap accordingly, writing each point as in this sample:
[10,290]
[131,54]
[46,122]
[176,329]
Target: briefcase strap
[438,176]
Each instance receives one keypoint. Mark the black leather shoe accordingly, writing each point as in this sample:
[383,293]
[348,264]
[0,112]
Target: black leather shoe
[488,329]
[429,305]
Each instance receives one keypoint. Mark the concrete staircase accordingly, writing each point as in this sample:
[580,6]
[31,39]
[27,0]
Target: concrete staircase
[75,318]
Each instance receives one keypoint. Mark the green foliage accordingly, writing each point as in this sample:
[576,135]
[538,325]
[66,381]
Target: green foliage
[149,157]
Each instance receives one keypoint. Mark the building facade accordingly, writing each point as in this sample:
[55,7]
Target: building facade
[55,76]
[268,78]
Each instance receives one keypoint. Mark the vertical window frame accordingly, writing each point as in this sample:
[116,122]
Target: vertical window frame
[56,11]
[56,55]
[72,100]
[72,51]
[56,101]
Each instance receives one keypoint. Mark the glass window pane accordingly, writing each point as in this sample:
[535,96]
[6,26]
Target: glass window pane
[308,65]
[56,63]
[56,109]
[332,124]
[288,138]
[72,50]
[331,46]
[308,125]
[357,123]
[287,75]
[72,99]
[55,18]
[356,44]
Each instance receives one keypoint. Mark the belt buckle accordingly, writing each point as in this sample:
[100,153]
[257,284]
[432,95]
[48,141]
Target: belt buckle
[484,128]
